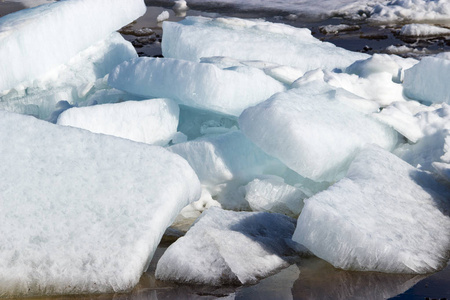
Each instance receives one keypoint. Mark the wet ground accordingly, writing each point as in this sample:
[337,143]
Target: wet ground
[310,278]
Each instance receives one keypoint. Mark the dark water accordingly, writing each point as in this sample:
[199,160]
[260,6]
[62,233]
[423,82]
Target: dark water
[311,278]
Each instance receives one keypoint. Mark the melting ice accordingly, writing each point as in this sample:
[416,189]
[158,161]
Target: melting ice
[245,115]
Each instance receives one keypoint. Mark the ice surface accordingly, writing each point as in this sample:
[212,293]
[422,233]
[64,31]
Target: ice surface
[226,247]
[200,85]
[427,80]
[312,132]
[384,216]
[272,194]
[153,121]
[197,37]
[423,30]
[75,81]
[82,212]
[39,39]
[227,161]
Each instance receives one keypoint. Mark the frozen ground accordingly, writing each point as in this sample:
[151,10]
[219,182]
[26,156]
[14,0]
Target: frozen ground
[307,167]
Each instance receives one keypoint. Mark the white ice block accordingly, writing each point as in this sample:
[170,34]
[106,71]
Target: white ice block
[35,40]
[385,216]
[200,85]
[226,247]
[428,80]
[82,212]
[152,121]
[197,37]
[312,132]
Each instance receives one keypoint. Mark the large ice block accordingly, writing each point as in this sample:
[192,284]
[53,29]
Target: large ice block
[82,212]
[35,40]
[197,37]
[385,216]
[226,247]
[152,121]
[312,132]
[200,85]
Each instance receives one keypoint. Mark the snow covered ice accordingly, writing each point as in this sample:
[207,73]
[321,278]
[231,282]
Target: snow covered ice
[152,121]
[78,223]
[384,216]
[51,34]
[226,247]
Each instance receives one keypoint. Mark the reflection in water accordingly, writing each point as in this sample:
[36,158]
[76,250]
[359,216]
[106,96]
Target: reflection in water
[320,280]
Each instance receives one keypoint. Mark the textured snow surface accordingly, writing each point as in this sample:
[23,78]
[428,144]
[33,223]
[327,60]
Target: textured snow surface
[82,212]
[226,247]
[153,121]
[38,39]
[197,37]
[411,10]
[384,216]
[200,85]
[428,80]
[312,132]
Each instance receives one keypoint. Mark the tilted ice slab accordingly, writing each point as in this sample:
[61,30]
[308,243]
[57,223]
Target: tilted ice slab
[152,121]
[35,40]
[312,132]
[384,216]
[197,37]
[226,247]
[428,80]
[80,77]
[200,85]
[82,212]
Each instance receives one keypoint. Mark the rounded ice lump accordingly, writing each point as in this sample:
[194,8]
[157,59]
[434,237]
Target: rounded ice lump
[35,40]
[82,212]
[385,216]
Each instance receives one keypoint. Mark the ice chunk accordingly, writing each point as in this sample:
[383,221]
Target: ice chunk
[82,212]
[153,121]
[384,216]
[227,159]
[200,85]
[226,247]
[423,30]
[162,16]
[432,150]
[271,194]
[197,37]
[312,132]
[427,80]
[36,40]
[80,78]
